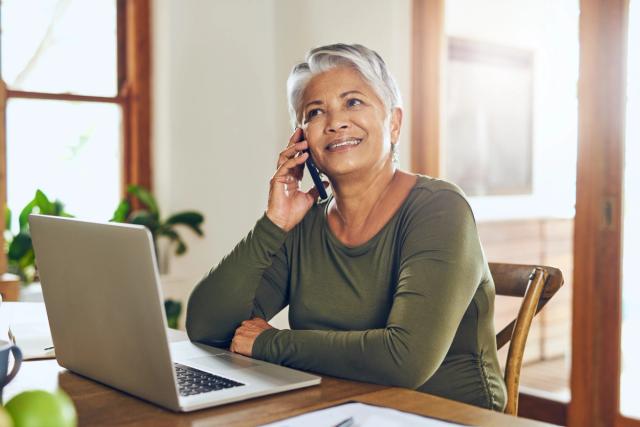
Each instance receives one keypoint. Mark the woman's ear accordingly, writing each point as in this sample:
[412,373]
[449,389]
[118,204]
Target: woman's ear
[396,123]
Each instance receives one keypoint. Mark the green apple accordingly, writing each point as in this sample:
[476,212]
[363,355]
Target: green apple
[5,418]
[39,408]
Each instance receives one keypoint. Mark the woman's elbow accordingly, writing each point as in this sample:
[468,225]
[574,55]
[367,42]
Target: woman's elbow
[409,375]
[195,330]
[407,365]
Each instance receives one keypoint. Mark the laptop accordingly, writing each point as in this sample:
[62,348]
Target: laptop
[105,307]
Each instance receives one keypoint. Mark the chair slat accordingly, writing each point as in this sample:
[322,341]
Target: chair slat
[536,285]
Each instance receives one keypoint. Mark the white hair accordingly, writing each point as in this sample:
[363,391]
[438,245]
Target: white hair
[364,60]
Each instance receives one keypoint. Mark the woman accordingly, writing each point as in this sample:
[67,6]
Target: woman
[386,281]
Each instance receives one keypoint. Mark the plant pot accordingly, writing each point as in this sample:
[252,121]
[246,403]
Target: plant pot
[10,287]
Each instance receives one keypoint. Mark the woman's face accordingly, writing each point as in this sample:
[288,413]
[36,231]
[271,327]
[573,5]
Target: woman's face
[344,123]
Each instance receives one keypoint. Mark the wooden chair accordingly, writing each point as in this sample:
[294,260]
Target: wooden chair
[536,284]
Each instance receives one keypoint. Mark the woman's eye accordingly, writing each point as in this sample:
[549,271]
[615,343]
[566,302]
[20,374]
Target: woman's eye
[312,113]
[354,102]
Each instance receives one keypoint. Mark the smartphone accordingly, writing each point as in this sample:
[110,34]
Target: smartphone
[313,171]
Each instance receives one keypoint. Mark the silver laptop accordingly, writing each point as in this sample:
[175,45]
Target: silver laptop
[105,307]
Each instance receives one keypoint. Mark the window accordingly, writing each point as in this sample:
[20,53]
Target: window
[75,102]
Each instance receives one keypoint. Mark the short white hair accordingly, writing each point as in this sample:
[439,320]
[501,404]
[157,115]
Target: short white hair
[364,60]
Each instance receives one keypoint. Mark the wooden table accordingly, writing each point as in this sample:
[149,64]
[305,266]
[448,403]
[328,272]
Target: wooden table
[101,405]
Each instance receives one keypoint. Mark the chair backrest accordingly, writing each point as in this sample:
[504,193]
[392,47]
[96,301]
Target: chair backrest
[536,285]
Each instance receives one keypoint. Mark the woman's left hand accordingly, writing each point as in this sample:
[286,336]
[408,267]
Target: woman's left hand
[247,333]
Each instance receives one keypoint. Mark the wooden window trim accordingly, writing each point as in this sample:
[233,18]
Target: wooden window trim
[542,409]
[623,421]
[595,376]
[134,20]
[134,95]
[426,85]
[63,97]
[3,174]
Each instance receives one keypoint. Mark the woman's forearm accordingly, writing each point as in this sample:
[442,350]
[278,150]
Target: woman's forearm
[225,297]
[383,356]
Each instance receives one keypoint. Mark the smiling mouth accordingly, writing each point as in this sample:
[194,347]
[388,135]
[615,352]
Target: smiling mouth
[347,143]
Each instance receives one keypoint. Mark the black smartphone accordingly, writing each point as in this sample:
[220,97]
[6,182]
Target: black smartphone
[313,171]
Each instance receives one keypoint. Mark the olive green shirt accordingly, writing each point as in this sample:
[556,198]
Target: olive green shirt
[412,307]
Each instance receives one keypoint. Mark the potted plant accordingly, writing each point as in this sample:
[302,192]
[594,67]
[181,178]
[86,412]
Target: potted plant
[160,228]
[19,249]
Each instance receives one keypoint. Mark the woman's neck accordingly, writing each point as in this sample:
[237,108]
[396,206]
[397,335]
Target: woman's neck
[355,198]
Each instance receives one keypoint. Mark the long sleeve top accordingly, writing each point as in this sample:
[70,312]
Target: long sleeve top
[412,307]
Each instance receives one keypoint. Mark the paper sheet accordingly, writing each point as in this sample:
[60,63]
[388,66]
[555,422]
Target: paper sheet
[33,338]
[363,415]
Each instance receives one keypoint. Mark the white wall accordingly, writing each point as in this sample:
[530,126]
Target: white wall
[220,111]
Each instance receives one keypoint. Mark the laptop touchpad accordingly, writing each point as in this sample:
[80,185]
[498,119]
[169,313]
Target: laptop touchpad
[226,360]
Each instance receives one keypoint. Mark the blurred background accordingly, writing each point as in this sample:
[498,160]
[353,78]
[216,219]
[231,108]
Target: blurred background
[217,116]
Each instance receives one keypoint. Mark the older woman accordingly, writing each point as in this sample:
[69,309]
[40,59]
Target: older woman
[386,281]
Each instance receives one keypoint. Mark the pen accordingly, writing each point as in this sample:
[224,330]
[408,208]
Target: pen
[345,423]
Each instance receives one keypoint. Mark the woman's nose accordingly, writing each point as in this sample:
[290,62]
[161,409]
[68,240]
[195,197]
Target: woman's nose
[337,122]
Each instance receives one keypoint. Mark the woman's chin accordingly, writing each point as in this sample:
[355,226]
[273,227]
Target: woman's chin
[341,168]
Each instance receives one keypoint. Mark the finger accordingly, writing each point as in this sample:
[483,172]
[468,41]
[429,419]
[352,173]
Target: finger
[244,326]
[249,327]
[291,152]
[298,172]
[288,167]
[292,185]
[285,183]
[257,322]
[295,137]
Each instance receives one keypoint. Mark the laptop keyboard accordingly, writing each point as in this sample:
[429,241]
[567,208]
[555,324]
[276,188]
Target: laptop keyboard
[194,381]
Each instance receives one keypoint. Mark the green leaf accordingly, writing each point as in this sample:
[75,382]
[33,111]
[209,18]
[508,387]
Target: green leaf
[145,218]
[42,201]
[57,208]
[181,248]
[145,197]
[19,247]
[172,309]
[23,219]
[191,219]
[121,212]
[163,230]
[27,259]
[7,218]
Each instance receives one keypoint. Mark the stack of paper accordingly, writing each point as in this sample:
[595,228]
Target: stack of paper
[359,415]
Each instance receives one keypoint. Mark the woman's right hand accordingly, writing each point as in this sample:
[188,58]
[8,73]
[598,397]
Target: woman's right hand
[287,203]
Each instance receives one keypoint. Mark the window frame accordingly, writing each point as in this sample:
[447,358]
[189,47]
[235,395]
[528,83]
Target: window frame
[134,97]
